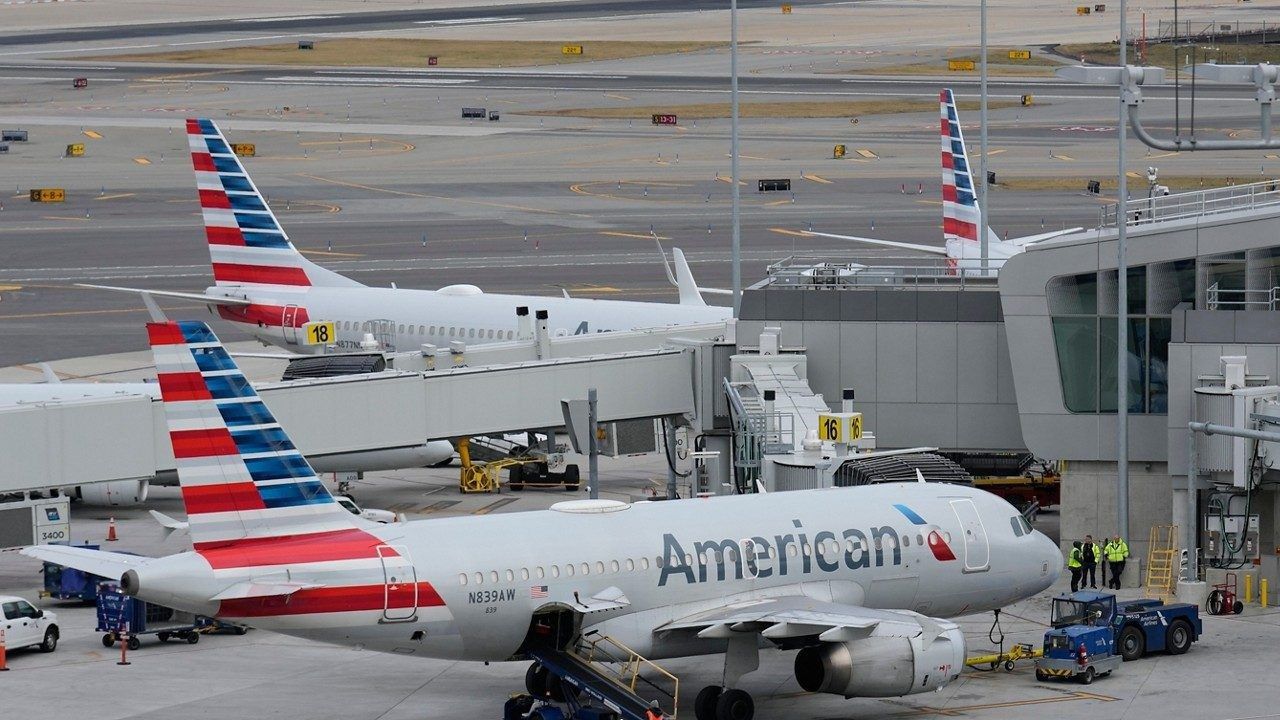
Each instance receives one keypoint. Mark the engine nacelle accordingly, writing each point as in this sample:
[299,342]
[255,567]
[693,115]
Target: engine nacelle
[116,492]
[882,666]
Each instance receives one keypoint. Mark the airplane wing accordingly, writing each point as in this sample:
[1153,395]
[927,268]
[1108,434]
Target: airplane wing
[932,249]
[1028,239]
[796,617]
[98,562]
[212,299]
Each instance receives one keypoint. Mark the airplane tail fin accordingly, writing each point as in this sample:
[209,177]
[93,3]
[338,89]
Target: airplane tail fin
[960,213]
[242,479]
[247,245]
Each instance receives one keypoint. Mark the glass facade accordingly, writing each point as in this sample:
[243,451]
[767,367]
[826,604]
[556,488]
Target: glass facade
[1083,310]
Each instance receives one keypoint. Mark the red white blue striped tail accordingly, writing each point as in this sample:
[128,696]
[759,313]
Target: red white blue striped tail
[960,214]
[247,245]
[242,478]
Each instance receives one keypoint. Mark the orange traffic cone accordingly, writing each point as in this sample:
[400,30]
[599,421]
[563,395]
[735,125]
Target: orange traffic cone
[111,530]
[3,658]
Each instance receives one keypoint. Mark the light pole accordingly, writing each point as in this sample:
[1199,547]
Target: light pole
[983,243]
[733,154]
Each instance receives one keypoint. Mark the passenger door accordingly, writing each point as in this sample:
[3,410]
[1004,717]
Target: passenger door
[400,584]
[977,550]
[289,320]
[18,630]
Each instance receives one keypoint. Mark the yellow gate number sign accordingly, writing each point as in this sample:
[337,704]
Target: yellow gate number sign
[571,49]
[320,333]
[1019,54]
[840,427]
[48,195]
[960,65]
[244,149]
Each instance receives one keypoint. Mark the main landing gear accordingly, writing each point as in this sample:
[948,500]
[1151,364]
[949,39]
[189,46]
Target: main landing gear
[725,702]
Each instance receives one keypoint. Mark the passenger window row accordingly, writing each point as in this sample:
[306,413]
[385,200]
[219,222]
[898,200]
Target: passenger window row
[451,331]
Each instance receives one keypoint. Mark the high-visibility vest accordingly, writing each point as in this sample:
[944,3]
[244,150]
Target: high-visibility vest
[1116,551]
[1076,558]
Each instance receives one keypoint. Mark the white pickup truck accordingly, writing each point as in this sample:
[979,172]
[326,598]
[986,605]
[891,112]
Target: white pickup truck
[25,625]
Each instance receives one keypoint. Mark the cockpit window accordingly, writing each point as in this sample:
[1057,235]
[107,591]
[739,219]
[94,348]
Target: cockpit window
[1026,526]
[1017,526]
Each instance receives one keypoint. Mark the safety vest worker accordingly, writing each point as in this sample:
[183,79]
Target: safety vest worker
[1076,558]
[1116,550]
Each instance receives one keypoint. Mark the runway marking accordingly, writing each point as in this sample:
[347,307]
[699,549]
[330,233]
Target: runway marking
[930,202]
[729,180]
[9,288]
[794,233]
[1171,154]
[1132,174]
[616,96]
[72,313]
[779,202]
[436,507]
[749,157]
[492,506]
[817,179]
[1269,156]
[115,197]
[92,134]
[994,152]
[330,253]
[864,152]
[615,233]
[142,161]
[405,193]
[64,217]
[1056,156]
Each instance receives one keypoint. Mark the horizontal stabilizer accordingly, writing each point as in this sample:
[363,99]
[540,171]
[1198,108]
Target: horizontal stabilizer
[931,249]
[1028,239]
[96,562]
[170,525]
[211,299]
[263,588]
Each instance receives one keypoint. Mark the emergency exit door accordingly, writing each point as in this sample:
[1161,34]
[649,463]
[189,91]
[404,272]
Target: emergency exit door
[977,550]
[400,584]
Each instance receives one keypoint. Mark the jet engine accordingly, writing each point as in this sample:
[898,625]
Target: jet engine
[882,666]
[116,492]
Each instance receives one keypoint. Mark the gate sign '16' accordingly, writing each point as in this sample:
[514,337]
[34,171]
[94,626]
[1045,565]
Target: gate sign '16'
[840,427]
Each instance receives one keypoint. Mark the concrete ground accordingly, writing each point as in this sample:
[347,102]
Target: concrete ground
[263,675]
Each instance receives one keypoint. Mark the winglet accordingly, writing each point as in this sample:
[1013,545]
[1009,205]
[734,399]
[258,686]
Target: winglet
[50,377]
[689,294]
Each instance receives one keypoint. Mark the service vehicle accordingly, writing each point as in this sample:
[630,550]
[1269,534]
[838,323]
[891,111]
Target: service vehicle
[26,625]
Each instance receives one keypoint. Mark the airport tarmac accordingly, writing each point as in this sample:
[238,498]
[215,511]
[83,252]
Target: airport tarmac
[263,674]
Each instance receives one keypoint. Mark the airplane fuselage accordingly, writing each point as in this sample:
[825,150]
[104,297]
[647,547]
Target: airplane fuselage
[406,318]
[467,588]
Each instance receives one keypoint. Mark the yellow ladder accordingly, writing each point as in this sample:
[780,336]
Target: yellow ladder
[1162,553]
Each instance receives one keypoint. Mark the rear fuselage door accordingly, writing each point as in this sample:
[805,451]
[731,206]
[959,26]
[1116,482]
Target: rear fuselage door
[290,321]
[400,584]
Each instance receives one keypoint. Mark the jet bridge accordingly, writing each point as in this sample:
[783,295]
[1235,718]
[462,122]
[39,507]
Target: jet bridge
[338,421]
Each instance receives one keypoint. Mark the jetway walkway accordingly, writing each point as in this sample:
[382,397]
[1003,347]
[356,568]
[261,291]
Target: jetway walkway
[339,421]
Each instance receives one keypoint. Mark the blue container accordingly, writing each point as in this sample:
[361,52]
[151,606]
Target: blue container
[65,583]
[117,611]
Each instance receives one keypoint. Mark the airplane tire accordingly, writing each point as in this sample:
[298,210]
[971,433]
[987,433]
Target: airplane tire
[735,704]
[535,680]
[704,705]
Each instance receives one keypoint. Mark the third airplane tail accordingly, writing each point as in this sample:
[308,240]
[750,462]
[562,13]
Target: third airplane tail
[961,215]
[247,245]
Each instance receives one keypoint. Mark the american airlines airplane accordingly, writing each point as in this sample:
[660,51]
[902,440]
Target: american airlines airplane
[858,580]
[265,286]
[961,215]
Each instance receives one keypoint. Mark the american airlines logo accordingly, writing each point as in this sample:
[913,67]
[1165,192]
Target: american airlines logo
[760,557]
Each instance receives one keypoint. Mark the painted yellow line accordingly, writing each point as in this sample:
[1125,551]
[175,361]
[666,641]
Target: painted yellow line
[749,157]
[330,253]
[114,197]
[142,161]
[93,134]
[72,313]
[1132,174]
[1055,156]
[492,506]
[729,180]
[930,202]
[784,231]
[1269,156]
[1171,154]
[815,178]
[405,193]
[866,153]
[778,202]
[994,152]
[616,96]
[64,217]
[632,235]
[9,288]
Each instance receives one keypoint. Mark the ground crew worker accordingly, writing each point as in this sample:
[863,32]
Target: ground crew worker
[1090,553]
[653,712]
[1116,550]
[1075,563]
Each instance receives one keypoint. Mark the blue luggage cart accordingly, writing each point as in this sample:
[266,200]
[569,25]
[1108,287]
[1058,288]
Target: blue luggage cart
[121,615]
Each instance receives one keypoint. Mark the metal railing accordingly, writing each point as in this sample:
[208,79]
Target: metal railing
[1218,298]
[1197,203]
[623,665]
[828,271]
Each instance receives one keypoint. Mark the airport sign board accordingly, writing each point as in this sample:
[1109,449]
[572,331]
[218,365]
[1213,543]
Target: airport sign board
[840,427]
[955,65]
[48,195]
[1019,54]
[664,119]
[571,49]
[244,149]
